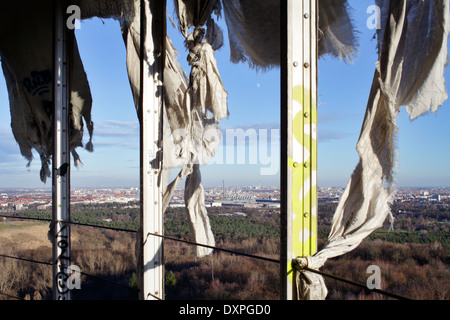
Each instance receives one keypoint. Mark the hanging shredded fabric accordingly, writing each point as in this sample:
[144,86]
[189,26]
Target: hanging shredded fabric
[405,76]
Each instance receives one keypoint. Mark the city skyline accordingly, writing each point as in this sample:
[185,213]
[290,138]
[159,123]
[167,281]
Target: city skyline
[423,147]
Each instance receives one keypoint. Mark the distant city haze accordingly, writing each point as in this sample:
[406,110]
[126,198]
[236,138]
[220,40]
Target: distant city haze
[14,200]
[422,146]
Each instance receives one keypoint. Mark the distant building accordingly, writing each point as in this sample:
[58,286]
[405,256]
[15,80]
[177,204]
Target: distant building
[176,205]
[239,214]
[232,204]
[437,197]
[44,206]
[19,206]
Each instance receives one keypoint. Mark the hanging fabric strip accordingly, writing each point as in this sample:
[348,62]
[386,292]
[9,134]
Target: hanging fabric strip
[413,53]
[26,47]
[254,31]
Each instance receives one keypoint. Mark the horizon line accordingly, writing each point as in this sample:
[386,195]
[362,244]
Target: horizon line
[219,186]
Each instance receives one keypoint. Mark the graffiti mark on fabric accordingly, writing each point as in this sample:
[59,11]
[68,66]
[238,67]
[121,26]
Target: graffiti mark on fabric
[39,82]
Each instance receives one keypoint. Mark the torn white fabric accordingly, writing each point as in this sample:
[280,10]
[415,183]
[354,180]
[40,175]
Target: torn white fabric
[337,35]
[26,47]
[206,89]
[412,57]
[311,286]
[202,100]
[194,196]
[115,9]
[428,30]
[186,124]
[195,13]
[28,72]
[254,31]
[187,144]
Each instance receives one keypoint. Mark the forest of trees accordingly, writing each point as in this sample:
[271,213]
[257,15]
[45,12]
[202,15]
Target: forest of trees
[414,258]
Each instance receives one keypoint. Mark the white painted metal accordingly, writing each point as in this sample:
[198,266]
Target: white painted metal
[151,152]
[61,159]
[299,150]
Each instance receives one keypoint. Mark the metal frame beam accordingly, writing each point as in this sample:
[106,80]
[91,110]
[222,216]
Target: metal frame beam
[298,137]
[61,156]
[152,63]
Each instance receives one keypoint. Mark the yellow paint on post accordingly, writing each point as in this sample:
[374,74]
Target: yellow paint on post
[304,181]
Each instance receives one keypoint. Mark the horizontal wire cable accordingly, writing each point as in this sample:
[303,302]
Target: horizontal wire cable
[157,235]
[217,248]
[156,297]
[82,273]
[109,281]
[389,294]
[25,218]
[70,222]
[392,295]
[11,296]
[98,226]
[25,259]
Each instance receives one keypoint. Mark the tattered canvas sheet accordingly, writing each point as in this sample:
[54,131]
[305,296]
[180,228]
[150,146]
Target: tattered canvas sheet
[254,31]
[203,101]
[26,47]
[206,90]
[28,67]
[194,196]
[116,9]
[191,113]
[337,35]
[190,139]
[413,54]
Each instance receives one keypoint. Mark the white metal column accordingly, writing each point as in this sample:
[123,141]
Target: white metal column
[152,62]
[299,138]
[61,157]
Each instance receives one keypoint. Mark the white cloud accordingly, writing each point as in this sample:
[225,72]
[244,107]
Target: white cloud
[326,135]
[115,128]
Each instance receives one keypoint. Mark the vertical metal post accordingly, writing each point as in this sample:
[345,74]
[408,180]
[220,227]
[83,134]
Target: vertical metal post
[152,62]
[61,157]
[299,138]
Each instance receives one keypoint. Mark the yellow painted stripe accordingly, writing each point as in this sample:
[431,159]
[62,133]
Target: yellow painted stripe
[304,181]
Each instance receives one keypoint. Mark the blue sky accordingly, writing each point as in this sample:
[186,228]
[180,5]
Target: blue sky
[253,100]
